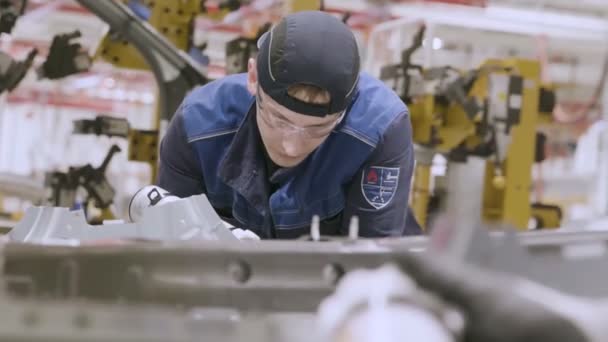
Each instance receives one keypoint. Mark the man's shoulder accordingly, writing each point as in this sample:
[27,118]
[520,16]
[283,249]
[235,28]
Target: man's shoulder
[216,107]
[375,108]
[223,90]
[373,93]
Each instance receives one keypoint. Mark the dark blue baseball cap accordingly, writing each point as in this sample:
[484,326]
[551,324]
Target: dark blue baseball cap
[313,48]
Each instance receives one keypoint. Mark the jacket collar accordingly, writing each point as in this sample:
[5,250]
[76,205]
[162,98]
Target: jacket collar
[243,167]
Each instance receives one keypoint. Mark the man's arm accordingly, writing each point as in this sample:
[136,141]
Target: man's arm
[179,171]
[380,190]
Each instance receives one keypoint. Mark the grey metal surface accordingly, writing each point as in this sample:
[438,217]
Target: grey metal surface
[192,218]
[410,314]
[547,240]
[176,73]
[280,275]
[266,275]
[262,275]
[572,262]
[21,187]
[81,321]
[247,291]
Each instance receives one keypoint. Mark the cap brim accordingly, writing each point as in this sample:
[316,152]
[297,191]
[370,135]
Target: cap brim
[263,38]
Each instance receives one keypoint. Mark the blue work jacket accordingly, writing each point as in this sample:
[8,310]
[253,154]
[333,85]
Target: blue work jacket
[363,168]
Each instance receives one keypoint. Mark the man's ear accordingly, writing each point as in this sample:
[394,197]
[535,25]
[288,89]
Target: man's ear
[252,76]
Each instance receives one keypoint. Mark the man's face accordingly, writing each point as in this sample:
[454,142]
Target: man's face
[290,137]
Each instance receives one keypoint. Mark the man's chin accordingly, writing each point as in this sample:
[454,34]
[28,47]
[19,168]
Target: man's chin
[286,161]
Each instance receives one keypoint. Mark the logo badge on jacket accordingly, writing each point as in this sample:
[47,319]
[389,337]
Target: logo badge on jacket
[379,185]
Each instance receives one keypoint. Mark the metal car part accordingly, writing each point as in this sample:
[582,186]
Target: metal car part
[21,187]
[81,321]
[287,275]
[188,219]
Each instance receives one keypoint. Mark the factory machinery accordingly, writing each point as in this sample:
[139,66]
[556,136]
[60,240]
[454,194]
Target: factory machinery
[179,274]
[176,272]
[484,122]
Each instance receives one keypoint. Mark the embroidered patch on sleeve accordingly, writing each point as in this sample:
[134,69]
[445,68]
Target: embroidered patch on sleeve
[379,185]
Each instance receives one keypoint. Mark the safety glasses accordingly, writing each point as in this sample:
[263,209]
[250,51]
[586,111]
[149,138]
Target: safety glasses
[278,121]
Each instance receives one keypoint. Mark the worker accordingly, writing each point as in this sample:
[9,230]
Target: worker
[302,133]
[499,307]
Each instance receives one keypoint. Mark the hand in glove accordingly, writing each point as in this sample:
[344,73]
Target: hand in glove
[501,308]
[244,234]
[241,234]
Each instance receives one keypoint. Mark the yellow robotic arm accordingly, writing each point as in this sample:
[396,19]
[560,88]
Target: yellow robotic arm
[173,19]
[491,112]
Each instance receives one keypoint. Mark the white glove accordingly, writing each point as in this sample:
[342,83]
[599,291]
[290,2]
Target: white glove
[241,234]
[244,234]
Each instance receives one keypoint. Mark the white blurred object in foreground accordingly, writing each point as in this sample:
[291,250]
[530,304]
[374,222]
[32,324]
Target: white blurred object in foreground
[380,306]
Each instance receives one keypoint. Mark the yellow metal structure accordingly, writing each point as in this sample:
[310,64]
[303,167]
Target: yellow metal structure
[510,202]
[546,215]
[501,128]
[173,19]
[143,147]
[292,6]
[421,192]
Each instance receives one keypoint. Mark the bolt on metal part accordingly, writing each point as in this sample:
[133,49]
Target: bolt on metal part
[239,271]
[315,229]
[353,228]
[332,273]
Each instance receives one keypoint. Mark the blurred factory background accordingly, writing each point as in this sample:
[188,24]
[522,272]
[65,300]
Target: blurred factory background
[568,38]
[508,104]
